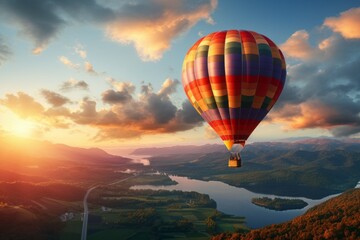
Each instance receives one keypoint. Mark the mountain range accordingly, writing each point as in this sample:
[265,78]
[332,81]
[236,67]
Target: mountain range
[312,168]
[307,144]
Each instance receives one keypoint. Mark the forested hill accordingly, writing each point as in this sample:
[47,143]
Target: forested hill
[312,168]
[337,218]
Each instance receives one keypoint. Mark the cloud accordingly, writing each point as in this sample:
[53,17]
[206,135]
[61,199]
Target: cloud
[125,114]
[89,68]
[151,25]
[55,99]
[37,20]
[297,46]
[168,87]
[23,105]
[79,49]
[113,97]
[347,24]
[133,116]
[322,90]
[87,113]
[74,84]
[5,51]
[122,86]
[42,20]
[68,63]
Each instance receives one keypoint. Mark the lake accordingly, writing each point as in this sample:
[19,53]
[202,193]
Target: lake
[237,201]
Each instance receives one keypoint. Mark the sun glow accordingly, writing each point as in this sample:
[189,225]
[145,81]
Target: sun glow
[14,125]
[21,127]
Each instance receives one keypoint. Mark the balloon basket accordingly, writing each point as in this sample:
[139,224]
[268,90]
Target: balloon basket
[234,162]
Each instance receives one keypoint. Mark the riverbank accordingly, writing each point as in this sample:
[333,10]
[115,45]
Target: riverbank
[237,201]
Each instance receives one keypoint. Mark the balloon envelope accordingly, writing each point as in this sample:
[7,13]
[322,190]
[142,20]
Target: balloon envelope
[233,78]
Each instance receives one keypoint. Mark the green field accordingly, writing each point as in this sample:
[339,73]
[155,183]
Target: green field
[148,214]
[72,231]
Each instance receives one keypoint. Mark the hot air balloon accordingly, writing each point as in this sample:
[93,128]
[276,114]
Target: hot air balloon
[233,78]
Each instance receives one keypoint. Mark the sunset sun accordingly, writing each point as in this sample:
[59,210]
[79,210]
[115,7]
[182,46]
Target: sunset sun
[21,127]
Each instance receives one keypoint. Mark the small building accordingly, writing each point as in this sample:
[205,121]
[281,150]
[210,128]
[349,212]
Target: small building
[67,216]
[105,209]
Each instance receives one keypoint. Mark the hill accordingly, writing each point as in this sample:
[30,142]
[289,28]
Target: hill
[23,193]
[312,169]
[337,218]
[158,151]
[25,160]
[306,144]
[25,150]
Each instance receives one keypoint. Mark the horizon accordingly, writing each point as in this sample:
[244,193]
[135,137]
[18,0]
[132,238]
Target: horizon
[127,151]
[80,82]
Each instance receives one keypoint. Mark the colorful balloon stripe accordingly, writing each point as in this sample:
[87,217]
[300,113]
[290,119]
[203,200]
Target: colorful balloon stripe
[233,78]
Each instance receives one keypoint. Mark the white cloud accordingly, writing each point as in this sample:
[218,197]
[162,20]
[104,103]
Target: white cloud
[90,68]
[68,63]
[80,50]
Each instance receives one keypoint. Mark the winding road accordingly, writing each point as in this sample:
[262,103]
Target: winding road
[86,209]
[86,214]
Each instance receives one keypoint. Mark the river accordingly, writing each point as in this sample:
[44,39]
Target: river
[237,201]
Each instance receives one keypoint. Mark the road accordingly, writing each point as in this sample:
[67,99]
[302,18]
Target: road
[86,214]
[86,209]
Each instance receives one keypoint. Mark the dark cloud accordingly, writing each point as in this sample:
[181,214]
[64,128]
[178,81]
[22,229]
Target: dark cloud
[5,51]
[87,113]
[128,115]
[131,117]
[42,20]
[159,22]
[290,95]
[74,84]
[347,130]
[188,114]
[55,99]
[161,108]
[37,19]
[114,97]
[322,92]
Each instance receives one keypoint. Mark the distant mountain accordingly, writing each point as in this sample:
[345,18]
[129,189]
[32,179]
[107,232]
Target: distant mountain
[21,151]
[311,144]
[37,161]
[337,218]
[308,144]
[156,151]
[307,168]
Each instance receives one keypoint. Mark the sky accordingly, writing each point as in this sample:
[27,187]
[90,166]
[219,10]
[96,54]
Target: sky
[108,73]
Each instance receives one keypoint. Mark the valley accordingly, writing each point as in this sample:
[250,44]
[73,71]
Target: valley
[42,188]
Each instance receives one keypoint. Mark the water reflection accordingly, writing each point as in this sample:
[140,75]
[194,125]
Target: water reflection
[236,201]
